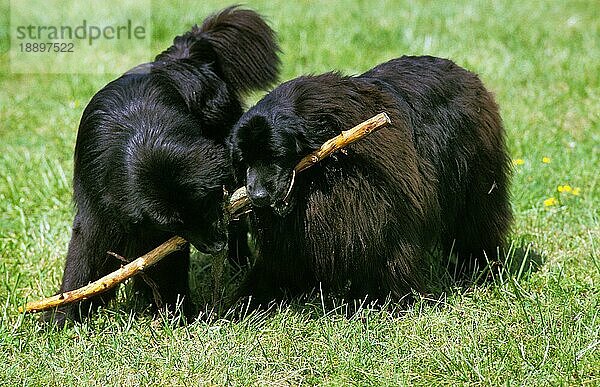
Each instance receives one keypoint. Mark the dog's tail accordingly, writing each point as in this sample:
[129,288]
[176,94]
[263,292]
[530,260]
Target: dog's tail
[238,41]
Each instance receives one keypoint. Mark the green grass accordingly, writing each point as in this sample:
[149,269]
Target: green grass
[539,327]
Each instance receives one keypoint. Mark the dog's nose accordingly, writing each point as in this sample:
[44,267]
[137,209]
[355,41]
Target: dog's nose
[258,196]
[256,191]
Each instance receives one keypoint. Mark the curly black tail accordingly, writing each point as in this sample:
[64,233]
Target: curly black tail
[240,44]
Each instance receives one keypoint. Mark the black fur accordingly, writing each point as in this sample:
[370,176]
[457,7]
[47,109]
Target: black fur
[150,158]
[361,223]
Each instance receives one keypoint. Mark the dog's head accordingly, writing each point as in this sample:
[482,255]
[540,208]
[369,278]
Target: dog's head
[179,187]
[267,143]
[145,163]
[265,151]
[289,123]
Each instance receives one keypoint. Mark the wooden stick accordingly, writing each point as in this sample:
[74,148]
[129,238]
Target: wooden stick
[108,281]
[238,204]
[342,140]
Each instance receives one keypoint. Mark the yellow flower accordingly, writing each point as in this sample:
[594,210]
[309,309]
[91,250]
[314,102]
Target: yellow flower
[550,202]
[518,161]
[564,188]
[545,160]
[575,191]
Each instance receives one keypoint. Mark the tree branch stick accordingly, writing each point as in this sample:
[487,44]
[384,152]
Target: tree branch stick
[109,281]
[238,204]
[342,140]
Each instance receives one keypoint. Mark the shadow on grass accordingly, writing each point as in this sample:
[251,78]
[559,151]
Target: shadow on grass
[445,278]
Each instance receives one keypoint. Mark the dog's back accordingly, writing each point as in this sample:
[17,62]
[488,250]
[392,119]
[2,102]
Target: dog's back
[458,130]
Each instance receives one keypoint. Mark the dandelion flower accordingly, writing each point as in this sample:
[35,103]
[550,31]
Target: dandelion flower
[576,191]
[518,161]
[545,160]
[550,202]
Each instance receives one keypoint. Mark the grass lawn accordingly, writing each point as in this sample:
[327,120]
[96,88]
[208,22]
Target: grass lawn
[538,326]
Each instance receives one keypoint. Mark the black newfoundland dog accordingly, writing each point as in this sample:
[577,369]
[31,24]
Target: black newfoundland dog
[151,161]
[362,222]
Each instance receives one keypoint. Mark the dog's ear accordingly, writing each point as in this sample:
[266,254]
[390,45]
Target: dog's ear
[244,46]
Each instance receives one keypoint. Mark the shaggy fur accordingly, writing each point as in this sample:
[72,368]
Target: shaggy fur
[150,158]
[361,223]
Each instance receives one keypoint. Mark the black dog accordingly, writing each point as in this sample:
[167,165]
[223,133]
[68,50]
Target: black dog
[361,223]
[150,159]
